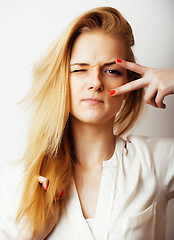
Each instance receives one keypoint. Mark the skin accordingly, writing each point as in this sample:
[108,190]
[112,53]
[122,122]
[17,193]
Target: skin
[94,80]
[27,232]
[93,110]
[159,83]
[91,120]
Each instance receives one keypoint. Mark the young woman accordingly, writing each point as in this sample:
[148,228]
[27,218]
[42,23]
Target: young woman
[78,178]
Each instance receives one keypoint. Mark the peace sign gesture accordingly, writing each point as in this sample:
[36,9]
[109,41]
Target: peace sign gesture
[159,83]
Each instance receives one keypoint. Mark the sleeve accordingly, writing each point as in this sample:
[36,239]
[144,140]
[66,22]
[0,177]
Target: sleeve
[10,195]
[163,158]
[159,155]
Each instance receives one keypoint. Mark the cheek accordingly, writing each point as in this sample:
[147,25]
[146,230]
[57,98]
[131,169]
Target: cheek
[117,100]
[76,84]
[74,88]
[116,103]
[118,82]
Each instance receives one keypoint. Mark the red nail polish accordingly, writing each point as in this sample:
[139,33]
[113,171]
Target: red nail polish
[119,61]
[57,197]
[63,193]
[47,185]
[112,92]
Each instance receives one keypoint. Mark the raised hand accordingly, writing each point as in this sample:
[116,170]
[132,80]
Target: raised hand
[159,83]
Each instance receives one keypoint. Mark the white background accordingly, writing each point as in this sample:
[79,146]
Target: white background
[28,27]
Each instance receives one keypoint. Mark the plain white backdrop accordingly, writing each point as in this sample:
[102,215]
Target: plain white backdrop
[28,27]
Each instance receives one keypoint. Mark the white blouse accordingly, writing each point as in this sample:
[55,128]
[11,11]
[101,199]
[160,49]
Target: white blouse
[136,185]
[91,225]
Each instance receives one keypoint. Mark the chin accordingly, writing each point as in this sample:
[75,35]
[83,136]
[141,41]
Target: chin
[95,120]
[94,117]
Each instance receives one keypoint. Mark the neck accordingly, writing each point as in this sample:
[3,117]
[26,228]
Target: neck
[93,143]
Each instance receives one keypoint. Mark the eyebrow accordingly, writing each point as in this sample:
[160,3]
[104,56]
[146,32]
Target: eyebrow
[87,64]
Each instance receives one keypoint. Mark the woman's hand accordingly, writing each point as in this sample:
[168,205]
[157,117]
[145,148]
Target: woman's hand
[159,83]
[27,233]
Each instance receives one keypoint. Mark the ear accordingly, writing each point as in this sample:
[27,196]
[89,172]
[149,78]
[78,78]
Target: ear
[126,95]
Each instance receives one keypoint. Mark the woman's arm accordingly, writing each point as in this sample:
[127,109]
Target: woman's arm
[27,233]
[159,83]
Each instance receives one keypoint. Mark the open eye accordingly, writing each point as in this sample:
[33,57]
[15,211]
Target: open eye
[113,72]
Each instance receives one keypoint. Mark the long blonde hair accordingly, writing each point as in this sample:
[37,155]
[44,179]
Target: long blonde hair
[49,150]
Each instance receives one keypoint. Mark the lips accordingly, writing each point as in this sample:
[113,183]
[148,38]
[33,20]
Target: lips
[94,100]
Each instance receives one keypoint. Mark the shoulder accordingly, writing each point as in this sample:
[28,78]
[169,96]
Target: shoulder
[157,153]
[154,145]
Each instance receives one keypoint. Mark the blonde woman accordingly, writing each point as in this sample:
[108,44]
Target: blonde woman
[78,178]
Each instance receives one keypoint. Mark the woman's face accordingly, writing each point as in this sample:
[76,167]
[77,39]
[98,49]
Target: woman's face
[93,73]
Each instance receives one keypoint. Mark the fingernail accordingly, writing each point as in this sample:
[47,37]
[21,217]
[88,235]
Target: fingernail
[112,92]
[119,60]
[63,193]
[57,197]
[47,185]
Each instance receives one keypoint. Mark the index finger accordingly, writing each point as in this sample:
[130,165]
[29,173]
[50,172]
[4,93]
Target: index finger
[132,66]
[128,87]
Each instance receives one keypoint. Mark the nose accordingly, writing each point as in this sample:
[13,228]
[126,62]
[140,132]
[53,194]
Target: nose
[96,83]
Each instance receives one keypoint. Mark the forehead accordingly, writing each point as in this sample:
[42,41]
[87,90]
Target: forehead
[96,47]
